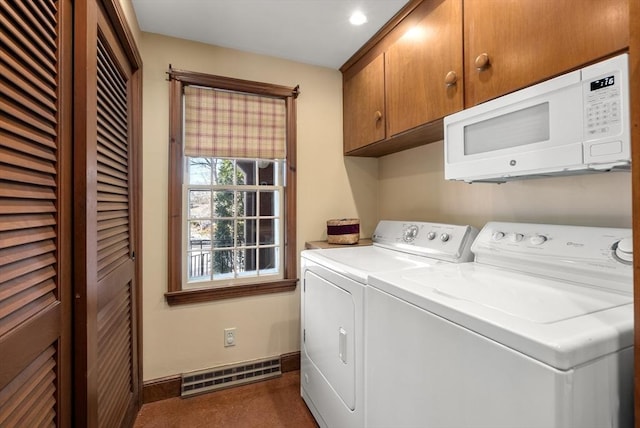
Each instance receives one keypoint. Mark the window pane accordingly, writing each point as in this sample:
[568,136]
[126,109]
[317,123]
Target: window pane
[199,204]
[269,259]
[199,265]
[248,232]
[223,171]
[240,233]
[199,170]
[199,233]
[246,172]
[247,262]
[267,231]
[246,203]
[245,232]
[223,204]
[222,264]
[266,174]
[223,234]
[268,204]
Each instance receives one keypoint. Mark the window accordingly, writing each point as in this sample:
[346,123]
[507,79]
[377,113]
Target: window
[233,220]
[231,188]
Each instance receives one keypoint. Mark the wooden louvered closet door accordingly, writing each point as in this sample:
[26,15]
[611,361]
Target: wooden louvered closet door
[107,99]
[35,213]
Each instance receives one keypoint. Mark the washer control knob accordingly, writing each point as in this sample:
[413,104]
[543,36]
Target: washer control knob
[431,236]
[538,239]
[444,237]
[516,237]
[497,236]
[624,249]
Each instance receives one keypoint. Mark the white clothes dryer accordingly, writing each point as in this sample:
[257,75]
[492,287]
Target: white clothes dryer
[332,309]
[537,332]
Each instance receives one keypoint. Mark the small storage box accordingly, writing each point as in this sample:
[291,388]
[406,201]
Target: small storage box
[343,231]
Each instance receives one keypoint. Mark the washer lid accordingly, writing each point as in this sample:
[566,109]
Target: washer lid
[560,323]
[358,262]
[518,296]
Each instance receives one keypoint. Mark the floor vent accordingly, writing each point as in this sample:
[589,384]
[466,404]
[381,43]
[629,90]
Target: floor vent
[230,375]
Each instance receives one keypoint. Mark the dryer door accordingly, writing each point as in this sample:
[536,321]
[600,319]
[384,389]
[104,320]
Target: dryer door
[329,339]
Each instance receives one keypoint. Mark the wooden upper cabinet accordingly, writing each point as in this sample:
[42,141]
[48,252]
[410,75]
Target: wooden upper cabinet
[400,85]
[364,112]
[424,68]
[526,42]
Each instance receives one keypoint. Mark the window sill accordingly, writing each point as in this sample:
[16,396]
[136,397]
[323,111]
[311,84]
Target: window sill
[184,297]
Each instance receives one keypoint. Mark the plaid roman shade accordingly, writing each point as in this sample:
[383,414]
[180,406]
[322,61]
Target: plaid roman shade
[221,123]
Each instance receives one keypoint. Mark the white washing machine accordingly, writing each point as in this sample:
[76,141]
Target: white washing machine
[537,332]
[333,286]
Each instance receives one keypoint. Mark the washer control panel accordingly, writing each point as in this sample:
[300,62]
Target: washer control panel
[560,251]
[436,240]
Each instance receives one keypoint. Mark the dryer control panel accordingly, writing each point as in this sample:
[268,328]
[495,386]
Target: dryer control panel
[598,256]
[436,240]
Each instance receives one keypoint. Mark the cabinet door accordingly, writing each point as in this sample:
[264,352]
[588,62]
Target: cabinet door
[364,113]
[530,41]
[418,64]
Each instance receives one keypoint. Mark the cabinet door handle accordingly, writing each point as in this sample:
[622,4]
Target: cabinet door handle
[482,61]
[451,78]
[378,115]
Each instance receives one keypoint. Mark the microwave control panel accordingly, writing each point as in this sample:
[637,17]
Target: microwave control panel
[603,106]
[605,91]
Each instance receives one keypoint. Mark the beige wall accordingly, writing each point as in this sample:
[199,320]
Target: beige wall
[185,338]
[412,187]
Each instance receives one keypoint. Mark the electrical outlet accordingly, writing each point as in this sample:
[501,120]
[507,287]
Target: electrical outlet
[230,336]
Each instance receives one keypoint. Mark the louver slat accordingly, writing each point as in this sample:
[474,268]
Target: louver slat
[105,144]
[10,206]
[26,150]
[111,167]
[106,179]
[113,153]
[26,236]
[30,101]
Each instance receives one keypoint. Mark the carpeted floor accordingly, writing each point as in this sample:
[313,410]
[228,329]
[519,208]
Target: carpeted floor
[272,403]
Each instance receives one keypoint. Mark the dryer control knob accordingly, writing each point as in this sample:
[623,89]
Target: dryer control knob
[410,233]
[497,236]
[444,237]
[624,249]
[538,239]
[431,236]
[516,237]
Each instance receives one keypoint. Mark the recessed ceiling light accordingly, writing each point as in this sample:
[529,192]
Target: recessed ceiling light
[357,18]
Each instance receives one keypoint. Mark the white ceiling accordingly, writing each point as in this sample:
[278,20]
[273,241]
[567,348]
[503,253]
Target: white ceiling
[314,32]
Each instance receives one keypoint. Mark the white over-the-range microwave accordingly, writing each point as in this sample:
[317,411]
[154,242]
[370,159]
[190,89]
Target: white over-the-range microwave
[572,124]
